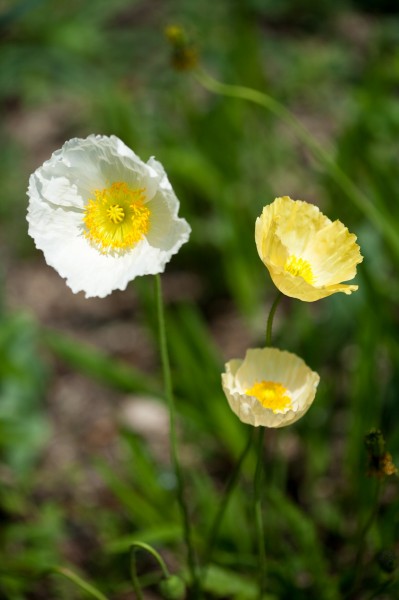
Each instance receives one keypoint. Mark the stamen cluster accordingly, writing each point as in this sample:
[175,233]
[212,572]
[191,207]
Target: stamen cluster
[117,219]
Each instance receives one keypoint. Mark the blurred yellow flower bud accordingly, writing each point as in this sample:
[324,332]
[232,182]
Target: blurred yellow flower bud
[184,54]
[380,463]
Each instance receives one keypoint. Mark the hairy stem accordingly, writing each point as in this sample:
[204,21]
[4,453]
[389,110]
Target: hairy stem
[269,325]
[192,561]
[356,196]
[258,479]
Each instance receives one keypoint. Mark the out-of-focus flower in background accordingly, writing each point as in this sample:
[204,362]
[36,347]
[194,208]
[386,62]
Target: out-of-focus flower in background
[270,387]
[380,462]
[102,216]
[307,254]
[184,55]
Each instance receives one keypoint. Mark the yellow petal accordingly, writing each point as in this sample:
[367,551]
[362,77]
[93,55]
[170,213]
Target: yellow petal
[278,370]
[308,256]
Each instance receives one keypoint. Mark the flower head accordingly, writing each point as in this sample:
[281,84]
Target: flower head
[184,55]
[307,255]
[102,216]
[270,387]
[380,461]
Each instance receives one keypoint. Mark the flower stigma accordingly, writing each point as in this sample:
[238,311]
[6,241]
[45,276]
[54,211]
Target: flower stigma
[115,213]
[116,219]
[298,267]
[271,395]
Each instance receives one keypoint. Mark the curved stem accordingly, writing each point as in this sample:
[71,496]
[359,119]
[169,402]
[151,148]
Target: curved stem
[133,571]
[269,325]
[225,500]
[192,563]
[135,580]
[360,200]
[258,513]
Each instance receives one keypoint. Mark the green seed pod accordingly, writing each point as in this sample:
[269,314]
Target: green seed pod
[173,588]
[387,561]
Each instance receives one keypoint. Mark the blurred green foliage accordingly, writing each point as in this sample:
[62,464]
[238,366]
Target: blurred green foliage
[22,388]
[70,69]
[31,531]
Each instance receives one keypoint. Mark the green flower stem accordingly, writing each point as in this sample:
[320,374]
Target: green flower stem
[258,513]
[84,585]
[270,319]
[235,474]
[192,562]
[133,571]
[360,200]
[225,500]
[259,472]
[362,537]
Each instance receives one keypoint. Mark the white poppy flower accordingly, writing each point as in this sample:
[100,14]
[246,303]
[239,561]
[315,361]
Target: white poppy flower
[102,216]
[270,387]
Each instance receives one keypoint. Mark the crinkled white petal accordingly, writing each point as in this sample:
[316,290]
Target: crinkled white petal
[59,191]
[269,364]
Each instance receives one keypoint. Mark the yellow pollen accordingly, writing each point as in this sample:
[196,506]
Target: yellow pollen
[298,267]
[271,395]
[116,218]
[116,213]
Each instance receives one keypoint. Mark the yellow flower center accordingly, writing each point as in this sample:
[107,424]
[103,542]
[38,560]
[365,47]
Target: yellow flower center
[298,267]
[117,218]
[115,213]
[271,395]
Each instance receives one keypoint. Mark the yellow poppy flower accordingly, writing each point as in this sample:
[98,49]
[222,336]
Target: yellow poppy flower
[307,255]
[270,387]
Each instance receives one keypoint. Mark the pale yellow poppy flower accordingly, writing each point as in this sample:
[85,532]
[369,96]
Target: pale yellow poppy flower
[307,255]
[270,387]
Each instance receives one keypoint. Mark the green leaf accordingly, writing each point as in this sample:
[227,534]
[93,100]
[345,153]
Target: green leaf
[98,365]
[225,583]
